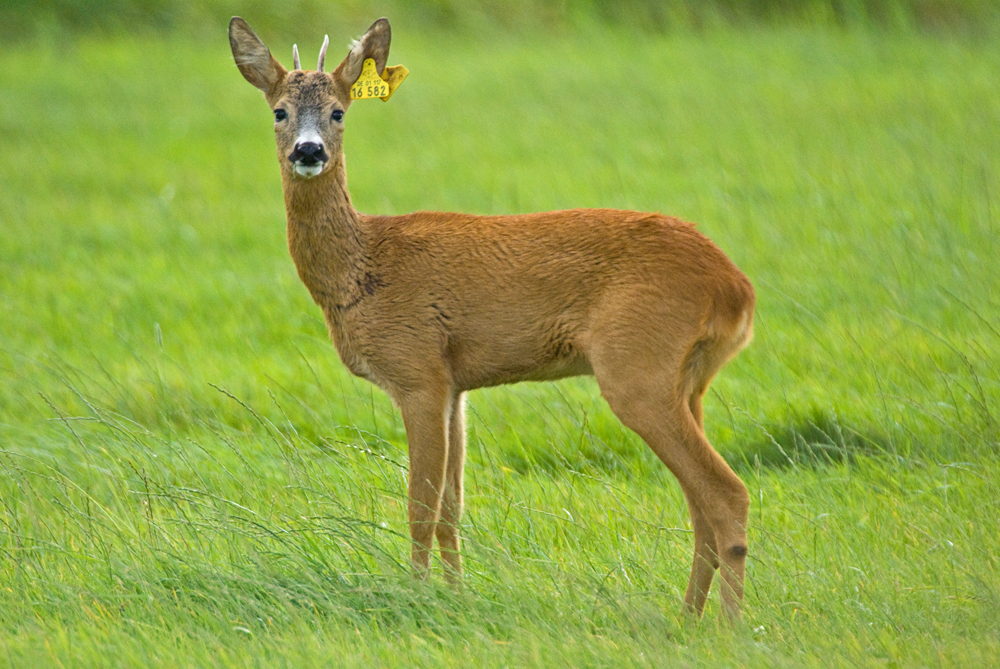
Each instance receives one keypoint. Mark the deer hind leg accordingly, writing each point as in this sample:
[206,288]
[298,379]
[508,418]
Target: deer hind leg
[425,416]
[705,561]
[447,528]
[656,402]
[694,402]
[706,555]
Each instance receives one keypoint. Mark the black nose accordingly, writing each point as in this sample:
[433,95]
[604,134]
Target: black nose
[308,153]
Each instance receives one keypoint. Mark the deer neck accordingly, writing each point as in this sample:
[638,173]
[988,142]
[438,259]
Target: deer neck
[325,237]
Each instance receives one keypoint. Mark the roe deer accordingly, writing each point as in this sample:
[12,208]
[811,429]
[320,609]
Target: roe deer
[431,305]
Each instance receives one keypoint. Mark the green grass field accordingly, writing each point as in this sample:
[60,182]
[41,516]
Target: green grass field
[190,478]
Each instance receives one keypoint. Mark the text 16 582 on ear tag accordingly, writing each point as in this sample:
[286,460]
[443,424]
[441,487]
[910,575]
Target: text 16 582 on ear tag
[369,84]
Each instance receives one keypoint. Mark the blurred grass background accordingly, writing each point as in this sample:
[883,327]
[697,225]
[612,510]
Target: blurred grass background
[20,18]
[188,476]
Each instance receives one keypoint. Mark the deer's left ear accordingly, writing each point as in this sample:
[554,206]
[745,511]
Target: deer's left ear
[373,44]
[254,59]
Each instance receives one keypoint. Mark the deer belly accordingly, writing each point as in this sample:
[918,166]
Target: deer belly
[482,366]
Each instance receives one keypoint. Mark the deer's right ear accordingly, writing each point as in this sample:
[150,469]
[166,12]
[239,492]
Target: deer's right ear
[373,44]
[253,57]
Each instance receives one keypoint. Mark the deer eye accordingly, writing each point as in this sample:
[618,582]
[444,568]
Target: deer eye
[337,115]
[280,114]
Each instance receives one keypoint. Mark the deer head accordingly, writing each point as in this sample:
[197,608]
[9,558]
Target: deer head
[309,106]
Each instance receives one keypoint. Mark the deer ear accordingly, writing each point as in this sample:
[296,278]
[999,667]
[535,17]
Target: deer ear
[373,44]
[253,57]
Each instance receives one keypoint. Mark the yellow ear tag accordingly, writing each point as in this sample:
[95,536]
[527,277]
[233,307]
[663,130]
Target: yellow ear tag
[393,75]
[371,85]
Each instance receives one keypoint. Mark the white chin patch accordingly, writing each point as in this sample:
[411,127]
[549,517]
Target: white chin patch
[308,171]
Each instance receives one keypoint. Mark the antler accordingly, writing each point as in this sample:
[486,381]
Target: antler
[322,53]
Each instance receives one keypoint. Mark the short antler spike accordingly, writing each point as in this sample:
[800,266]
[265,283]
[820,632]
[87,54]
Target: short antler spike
[295,57]
[322,53]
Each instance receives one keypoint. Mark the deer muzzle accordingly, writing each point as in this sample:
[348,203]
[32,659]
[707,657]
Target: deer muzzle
[308,158]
